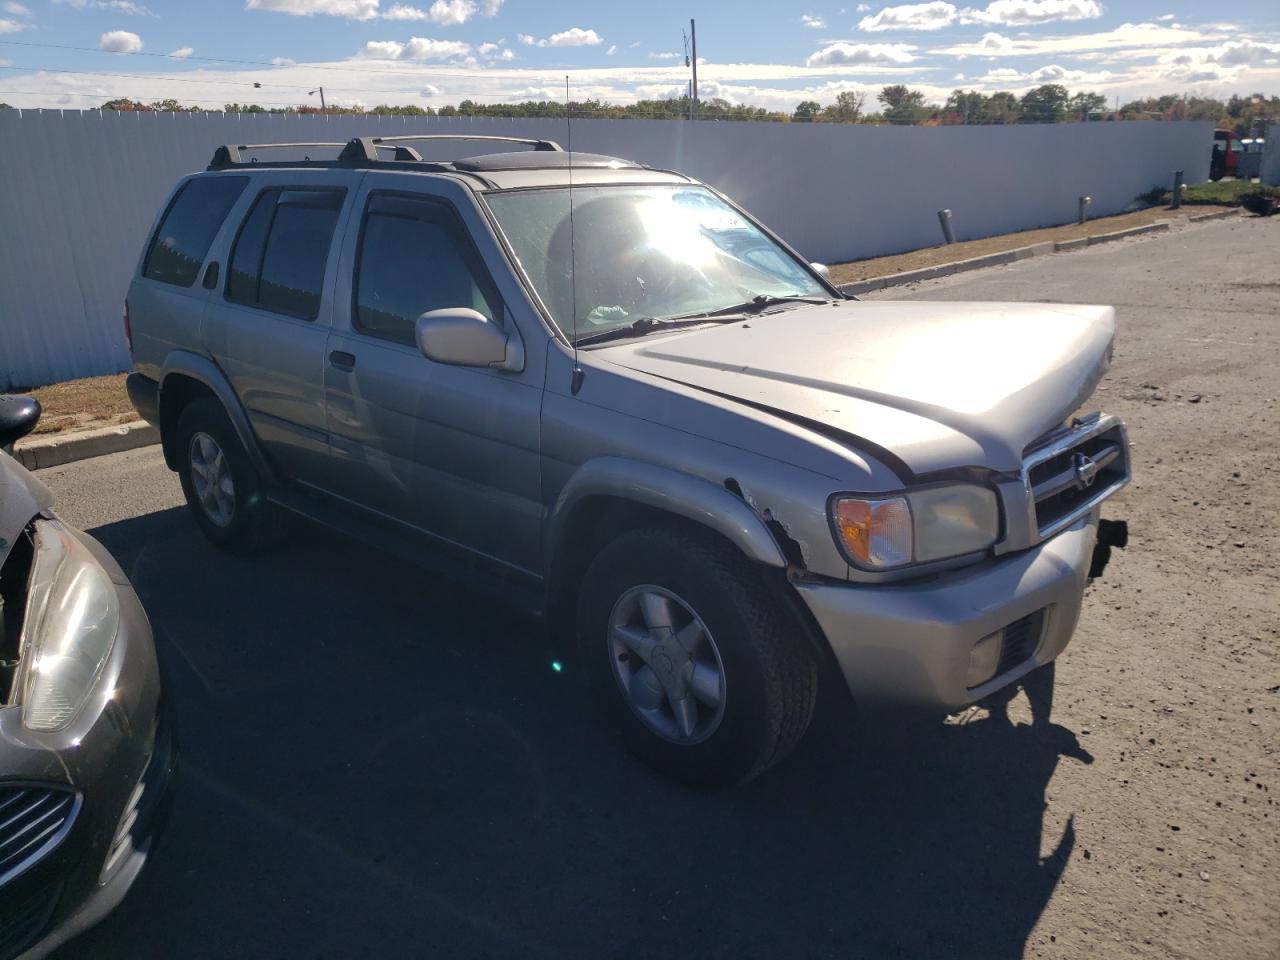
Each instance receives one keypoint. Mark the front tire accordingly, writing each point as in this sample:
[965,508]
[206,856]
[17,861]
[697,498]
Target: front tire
[223,490]
[702,672]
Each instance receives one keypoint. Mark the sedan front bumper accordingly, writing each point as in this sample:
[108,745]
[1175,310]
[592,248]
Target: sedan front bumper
[909,644]
[116,757]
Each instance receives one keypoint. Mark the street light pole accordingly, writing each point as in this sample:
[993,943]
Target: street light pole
[693,41]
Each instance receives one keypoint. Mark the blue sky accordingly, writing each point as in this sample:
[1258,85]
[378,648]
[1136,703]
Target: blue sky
[77,53]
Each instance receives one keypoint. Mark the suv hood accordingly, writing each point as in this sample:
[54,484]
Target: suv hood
[931,385]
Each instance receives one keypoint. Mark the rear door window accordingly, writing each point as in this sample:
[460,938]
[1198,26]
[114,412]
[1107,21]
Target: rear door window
[415,256]
[278,261]
[188,227]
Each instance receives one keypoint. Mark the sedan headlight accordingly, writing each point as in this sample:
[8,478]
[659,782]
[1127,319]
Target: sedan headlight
[68,630]
[921,526]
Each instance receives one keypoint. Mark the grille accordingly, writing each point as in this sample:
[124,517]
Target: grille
[33,820]
[1075,471]
[1020,641]
[23,918]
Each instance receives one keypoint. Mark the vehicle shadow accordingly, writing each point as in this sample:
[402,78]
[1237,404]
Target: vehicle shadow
[376,762]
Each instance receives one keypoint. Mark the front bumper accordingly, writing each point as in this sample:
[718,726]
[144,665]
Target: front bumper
[909,644]
[117,744]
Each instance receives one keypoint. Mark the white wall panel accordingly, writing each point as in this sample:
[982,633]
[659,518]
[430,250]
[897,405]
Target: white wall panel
[79,189]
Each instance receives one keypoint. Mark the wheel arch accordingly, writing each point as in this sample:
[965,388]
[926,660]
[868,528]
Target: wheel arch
[609,495]
[188,376]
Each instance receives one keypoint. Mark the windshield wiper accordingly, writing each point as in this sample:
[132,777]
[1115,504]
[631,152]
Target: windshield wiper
[762,300]
[645,325]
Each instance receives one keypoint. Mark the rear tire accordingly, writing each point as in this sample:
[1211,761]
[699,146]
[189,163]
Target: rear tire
[224,491]
[660,611]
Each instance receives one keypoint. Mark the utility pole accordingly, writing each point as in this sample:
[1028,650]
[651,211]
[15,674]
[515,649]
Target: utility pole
[693,39]
[319,90]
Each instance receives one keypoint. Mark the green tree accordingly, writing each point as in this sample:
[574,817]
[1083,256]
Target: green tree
[1045,104]
[967,106]
[807,110]
[902,105]
[847,108]
[1083,105]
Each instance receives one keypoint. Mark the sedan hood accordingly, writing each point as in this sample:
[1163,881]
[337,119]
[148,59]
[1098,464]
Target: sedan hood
[927,386]
[22,496]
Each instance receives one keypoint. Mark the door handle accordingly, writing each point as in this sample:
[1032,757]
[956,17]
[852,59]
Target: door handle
[342,360]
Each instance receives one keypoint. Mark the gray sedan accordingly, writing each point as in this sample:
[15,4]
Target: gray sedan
[84,755]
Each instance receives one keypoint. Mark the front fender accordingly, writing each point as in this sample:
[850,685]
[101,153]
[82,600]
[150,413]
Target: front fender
[670,491]
[185,363]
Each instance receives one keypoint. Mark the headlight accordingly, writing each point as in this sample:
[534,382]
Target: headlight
[921,526]
[69,627]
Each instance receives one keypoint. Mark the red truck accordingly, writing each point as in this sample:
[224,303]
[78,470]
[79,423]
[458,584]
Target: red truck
[1227,149]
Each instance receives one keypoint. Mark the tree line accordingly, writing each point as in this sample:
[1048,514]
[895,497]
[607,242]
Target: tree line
[894,104]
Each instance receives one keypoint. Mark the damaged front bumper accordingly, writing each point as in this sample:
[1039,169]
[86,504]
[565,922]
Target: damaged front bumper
[911,644]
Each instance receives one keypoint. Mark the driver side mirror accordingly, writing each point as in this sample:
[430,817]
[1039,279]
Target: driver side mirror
[821,270]
[18,417]
[463,337]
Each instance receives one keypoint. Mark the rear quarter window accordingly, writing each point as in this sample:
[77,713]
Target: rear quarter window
[188,227]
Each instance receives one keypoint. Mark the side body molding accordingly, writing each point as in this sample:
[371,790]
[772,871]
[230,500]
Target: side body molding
[669,490]
[189,364]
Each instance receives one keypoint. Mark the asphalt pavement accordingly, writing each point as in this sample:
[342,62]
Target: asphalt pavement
[376,762]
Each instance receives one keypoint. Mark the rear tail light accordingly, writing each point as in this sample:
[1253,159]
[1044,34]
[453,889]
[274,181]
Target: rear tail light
[128,331]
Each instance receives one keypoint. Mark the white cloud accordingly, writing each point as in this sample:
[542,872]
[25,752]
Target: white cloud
[351,9]
[120,41]
[613,48]
[430,90]
[182,53]
[854,53]
[664,56]
[536,93]
[446,13]
[994,43]
[573,37]
[863,8]
[490,8]
[912,16]
[813,23]
[17,9]
[417,48]
[124,6]
[1167,16]
[10,26]
[1021,13]
[1237,53]
[282,62]
[1145,39]
[487,49]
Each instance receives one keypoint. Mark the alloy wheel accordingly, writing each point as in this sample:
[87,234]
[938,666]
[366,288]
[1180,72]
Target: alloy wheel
[667,664]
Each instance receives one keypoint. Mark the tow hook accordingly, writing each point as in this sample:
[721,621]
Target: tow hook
[1111,533]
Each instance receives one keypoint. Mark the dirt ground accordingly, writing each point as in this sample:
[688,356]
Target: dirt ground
[948,253]
[84,404]
[1171,687]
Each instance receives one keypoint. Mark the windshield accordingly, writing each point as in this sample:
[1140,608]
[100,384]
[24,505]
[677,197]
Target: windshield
[655,251]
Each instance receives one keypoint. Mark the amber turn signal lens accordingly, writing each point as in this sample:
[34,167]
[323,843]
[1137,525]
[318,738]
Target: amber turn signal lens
[876,533]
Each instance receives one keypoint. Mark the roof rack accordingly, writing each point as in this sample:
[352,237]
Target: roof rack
[229,154]
[360,151]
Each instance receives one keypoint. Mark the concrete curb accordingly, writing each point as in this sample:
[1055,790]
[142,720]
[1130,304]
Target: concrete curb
[995,259]
[1159,225]
[1216,215]
[37,453]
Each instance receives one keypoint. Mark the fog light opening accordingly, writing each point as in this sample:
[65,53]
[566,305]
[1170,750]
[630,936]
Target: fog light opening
[984,659]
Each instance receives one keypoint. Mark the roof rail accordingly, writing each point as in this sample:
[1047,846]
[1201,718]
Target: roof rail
[362,150]
[229,154]
[365,149]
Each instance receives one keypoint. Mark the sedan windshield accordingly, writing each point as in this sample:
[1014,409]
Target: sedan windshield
[649,253]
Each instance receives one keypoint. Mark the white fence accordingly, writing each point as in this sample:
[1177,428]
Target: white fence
[79,189]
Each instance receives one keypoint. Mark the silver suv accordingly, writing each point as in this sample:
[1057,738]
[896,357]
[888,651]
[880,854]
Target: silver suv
[606,390]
